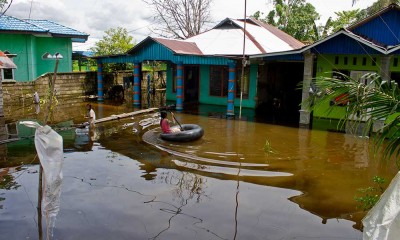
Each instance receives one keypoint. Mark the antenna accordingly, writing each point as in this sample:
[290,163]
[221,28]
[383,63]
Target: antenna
[30,10]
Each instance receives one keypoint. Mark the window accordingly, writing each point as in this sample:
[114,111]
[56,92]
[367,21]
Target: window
[374,61]
[395,62]
[336,60]
[219,81]
[354,61]
[345,60]
[246,81]
[364,61]
[7,74]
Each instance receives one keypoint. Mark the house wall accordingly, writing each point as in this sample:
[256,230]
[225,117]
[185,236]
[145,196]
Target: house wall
[204,85]
[52,46]
[326,66]
[29,50]
[170,95]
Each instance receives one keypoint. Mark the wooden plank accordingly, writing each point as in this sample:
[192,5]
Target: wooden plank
[124,115]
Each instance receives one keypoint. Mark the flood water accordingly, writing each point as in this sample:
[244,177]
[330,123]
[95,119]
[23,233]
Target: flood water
[242,180]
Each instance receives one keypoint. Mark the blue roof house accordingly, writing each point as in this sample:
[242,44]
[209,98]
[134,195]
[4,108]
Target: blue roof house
[27,40]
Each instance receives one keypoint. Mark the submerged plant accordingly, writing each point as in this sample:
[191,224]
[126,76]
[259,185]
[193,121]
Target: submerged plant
[371,194]
[268,147]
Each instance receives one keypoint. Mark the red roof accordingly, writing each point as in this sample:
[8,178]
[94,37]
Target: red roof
[291,41]
[180,47]
[5,62]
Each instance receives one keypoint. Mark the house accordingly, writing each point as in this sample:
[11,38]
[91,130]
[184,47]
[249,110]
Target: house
[27,40]
[370,45]
[207,68]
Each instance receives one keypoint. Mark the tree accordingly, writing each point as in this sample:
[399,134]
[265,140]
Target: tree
[180,18]
[321,31]
[375,7]
[366,103]
[345,19]
[295,17]
[4,6]
[115,41]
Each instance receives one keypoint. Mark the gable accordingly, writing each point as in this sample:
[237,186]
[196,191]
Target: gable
[343,44]
[384,28]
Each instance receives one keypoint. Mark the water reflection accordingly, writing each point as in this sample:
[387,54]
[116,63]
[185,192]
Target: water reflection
[126,183]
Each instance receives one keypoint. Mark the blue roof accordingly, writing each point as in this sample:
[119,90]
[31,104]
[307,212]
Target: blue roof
[13,24]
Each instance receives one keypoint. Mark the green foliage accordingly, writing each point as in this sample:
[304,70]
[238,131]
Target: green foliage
[2,3]
[87,65]
[345,19]
[370,195]
[268,148]
[367,100]
[115,41]
[375,7]
[295,17]
[321,32]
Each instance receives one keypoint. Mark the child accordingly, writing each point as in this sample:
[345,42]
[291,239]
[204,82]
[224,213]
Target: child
[164,123]
[90,115]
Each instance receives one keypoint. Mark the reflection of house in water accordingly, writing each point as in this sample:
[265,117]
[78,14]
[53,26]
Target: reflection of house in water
[5,66]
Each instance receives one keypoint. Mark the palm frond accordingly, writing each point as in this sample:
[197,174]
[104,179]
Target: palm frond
[366,101]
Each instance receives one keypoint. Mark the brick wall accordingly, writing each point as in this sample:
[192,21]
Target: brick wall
[3,133]
[68,85]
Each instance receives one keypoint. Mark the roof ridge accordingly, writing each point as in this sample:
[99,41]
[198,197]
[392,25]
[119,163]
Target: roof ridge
[28,21]
[50,21]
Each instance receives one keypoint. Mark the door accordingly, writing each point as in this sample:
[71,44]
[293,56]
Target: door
[191,84]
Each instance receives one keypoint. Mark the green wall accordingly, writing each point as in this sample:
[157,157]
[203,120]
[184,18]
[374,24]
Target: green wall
[171,96]
[29,50]
[326,66]
[205,89]
[204,86]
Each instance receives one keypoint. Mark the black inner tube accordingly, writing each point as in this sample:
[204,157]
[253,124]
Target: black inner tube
[191,132]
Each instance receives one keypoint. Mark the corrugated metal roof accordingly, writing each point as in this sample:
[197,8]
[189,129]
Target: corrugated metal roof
[214,46]
[384,28]
[5,62]
[56,28]
[180,46]
[13,24]
[226,38]
[373,16]
[293,42]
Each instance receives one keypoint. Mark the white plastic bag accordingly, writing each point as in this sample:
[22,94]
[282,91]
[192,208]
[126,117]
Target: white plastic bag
[49,147]
[383,221]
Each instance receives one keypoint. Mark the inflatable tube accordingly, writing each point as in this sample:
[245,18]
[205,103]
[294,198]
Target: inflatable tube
[190,132]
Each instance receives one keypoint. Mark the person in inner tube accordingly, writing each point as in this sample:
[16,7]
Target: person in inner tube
[164,123]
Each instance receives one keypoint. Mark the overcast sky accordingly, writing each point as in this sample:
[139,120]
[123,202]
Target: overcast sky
[95,16]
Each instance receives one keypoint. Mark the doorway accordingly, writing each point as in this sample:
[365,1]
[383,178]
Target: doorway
[191,84]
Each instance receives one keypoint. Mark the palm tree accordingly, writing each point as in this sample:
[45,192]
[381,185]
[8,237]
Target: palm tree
[367,102]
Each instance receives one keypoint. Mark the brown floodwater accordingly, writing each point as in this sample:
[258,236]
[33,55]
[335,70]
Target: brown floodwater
[242,180]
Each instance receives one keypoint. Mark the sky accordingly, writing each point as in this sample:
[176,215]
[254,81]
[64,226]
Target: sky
[95,16]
